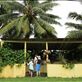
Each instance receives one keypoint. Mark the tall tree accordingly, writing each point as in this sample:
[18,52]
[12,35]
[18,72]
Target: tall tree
[77,33]
[22,19]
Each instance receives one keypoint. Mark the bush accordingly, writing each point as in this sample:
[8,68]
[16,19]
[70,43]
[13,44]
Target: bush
[10,57]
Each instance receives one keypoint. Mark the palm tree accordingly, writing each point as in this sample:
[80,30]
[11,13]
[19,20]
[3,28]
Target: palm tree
[20,20]
[77,33]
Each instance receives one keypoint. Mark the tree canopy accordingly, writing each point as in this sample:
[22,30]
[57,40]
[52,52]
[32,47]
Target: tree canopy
[77,33]
[20,20]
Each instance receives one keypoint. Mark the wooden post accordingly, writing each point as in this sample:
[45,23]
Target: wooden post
[47,52]
[1,43]
[46,45]
[25,49]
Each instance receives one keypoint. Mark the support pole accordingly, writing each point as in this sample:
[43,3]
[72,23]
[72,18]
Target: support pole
[47,52]
[1,43]
[25,49]
[46,45]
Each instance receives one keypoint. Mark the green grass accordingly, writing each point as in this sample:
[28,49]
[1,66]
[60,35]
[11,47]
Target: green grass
[40,79]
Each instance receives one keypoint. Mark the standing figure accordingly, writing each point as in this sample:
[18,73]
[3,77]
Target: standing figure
[35,59]
[31,67]
[38,67]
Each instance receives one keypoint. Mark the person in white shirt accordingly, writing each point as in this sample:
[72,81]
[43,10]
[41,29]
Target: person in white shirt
[36,58]
[31,67]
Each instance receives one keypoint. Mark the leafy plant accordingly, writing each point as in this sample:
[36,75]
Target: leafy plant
[68,65]
[10,57]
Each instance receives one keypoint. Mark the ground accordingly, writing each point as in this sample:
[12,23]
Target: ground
[40,79]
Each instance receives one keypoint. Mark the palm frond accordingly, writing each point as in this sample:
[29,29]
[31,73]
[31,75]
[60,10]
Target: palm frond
[47,27]
[46,5]
[38,10]
[17,6]
[32,2]
[8,26]
[73,25]
[38,29]
[48,19]
[74,34]
[75,16]
[9,6]
[18,26]
[26,27]
[6,17]
[52,16]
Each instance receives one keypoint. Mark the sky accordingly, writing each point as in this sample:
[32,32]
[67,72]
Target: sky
[62,10]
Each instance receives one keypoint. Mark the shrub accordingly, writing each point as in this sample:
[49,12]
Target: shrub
[10,57]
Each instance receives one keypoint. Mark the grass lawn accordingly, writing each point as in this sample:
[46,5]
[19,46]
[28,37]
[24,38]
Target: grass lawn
[40,79]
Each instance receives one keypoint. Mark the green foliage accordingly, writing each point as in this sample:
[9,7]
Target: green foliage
[47,5]
[7,45]
[49,18]
[68,65]
[68,58]
[80,47]
[74,34]
[8,26]
[22,28]
[50,29]
[38,29]
[10,57]
[73,25]
[76,16]
[77,33]
[28,56]
[8,16]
